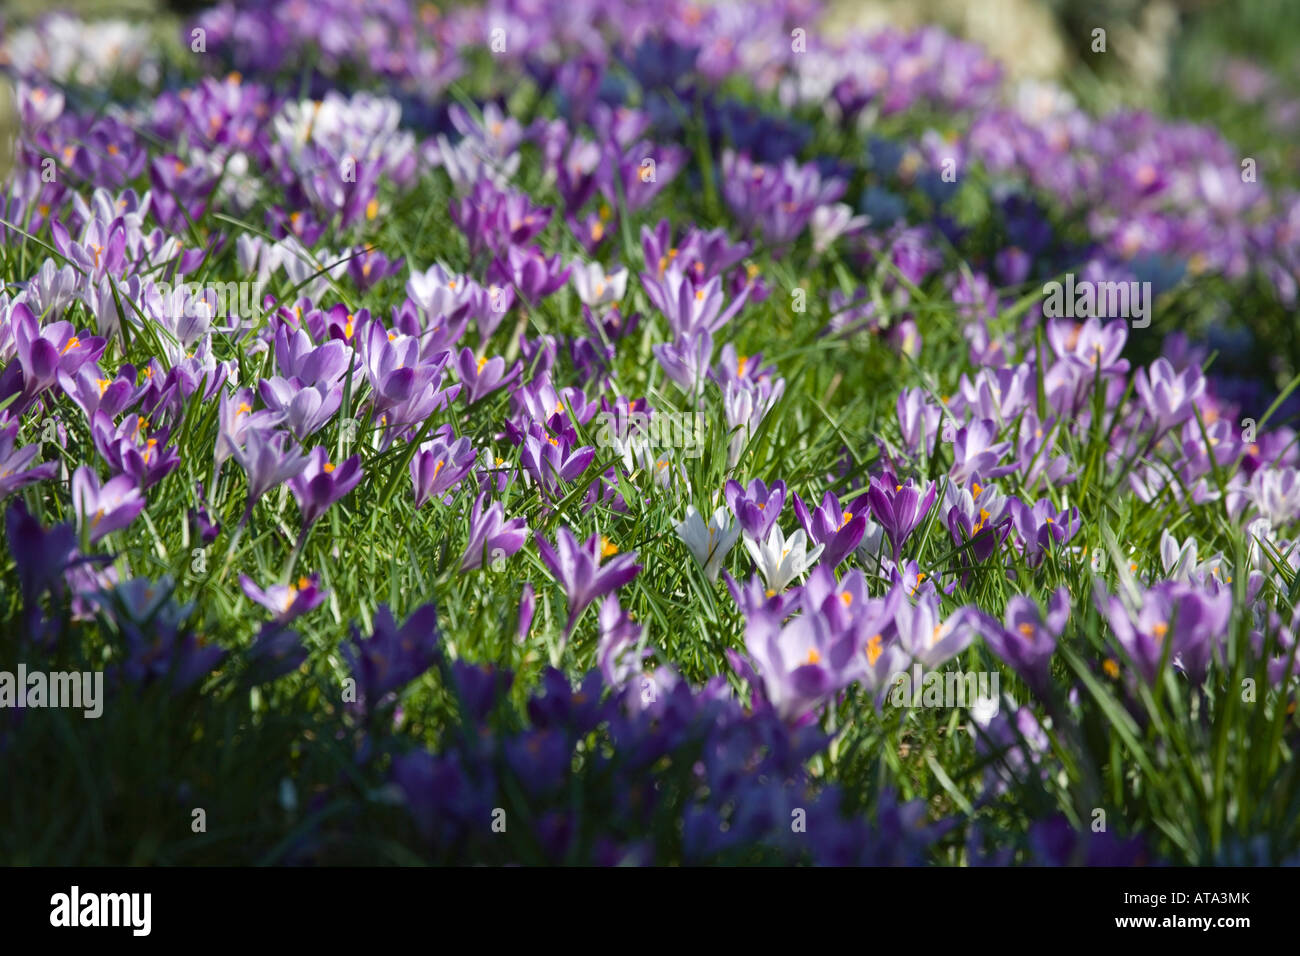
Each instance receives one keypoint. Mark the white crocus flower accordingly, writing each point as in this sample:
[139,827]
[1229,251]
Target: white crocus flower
[710,544]
[595,288]
[830,221]
[780,561]
[1178,559]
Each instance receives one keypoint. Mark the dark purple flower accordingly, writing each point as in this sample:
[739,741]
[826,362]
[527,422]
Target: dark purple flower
[899,507]
[837,529]
[392,656]
[757,507]
[321,483]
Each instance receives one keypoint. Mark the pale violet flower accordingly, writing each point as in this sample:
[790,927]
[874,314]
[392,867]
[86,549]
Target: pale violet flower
[710,544]
[833,220]
[1178,559]
[595,287]
[781,560]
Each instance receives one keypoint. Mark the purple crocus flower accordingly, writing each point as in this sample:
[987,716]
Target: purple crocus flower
[976,454]
[527,606]
[440,465]
[107,508]
[801,664]
[43,352]
[490,535]
[47,553]
[931,639]
[838,530]
[286,601]
[16,469]
[236,418]
[1027,642]
[616,650]
[483,376]
[297,358]
[578,569]
[530,272]
[1042,527]
[392,656]
[757,507]
[1195,620]
[268,458]
[553,461]
[306,408]
[320,484]
[899,507]
[93,390]
[1169,397]
[130,448]
[690,307]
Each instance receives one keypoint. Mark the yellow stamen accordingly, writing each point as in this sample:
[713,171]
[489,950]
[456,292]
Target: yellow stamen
[874,650]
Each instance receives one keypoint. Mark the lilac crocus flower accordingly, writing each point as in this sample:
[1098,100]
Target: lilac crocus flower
[1042,527]
[691,308]
[268,458]
[1169,397]
[1028,640]
[757,507]
[16,469]
[490,535]
[1195,620]
[440,465]
[931,639]
[578,569]
[530,272]
[107,508]
[918,420]
[976,454]
[616,650]
[801,664]
[286,601]
[306,408]
[686,360]
[899,507]
[321,483]
[483,376]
